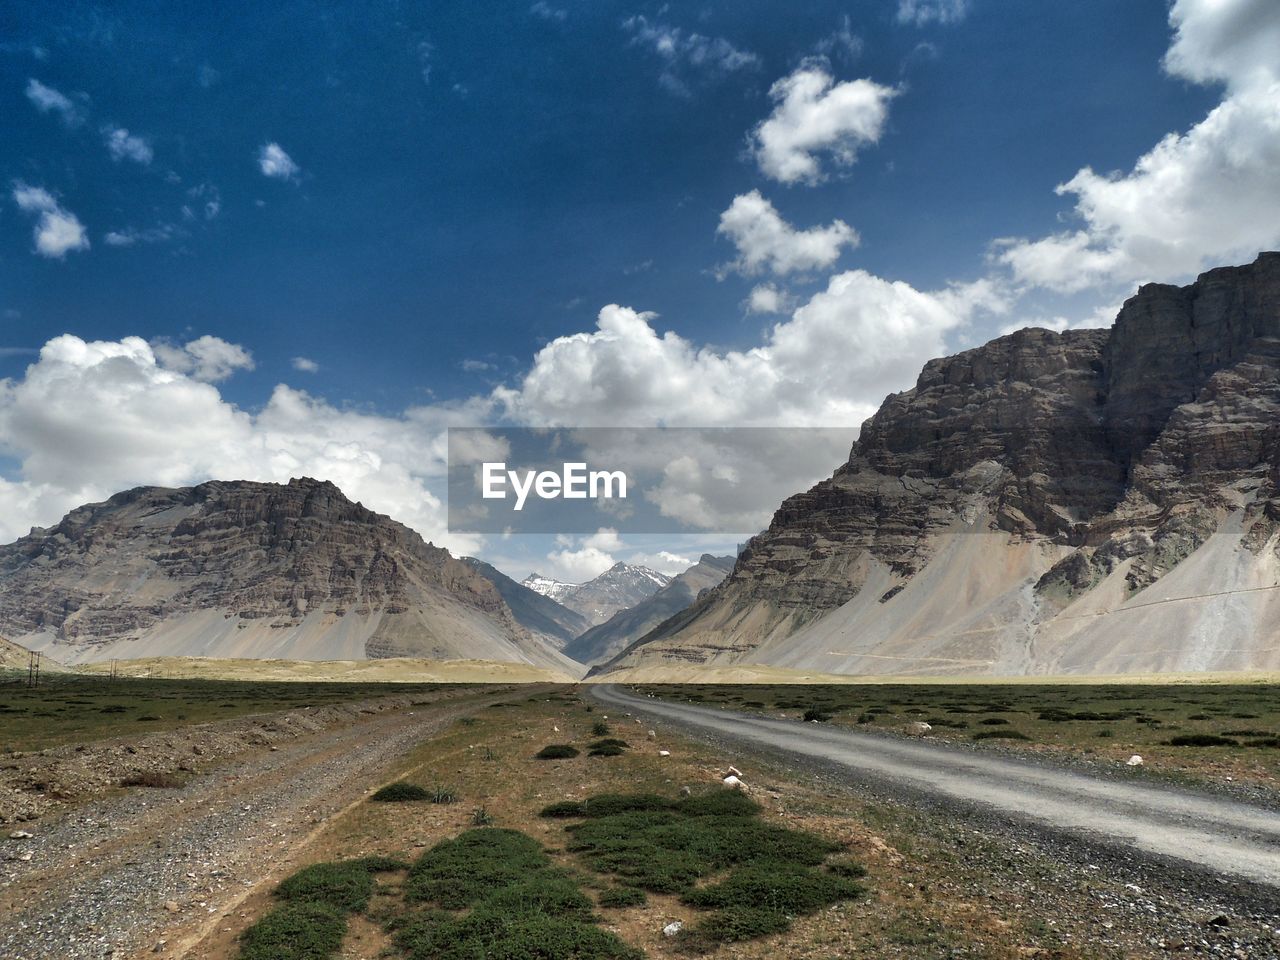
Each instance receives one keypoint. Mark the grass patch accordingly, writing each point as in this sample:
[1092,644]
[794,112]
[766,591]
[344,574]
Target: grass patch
[400,792]
[616,897]
[518,905]
[1202,740]
[311,920]
[557,751]
[766,874]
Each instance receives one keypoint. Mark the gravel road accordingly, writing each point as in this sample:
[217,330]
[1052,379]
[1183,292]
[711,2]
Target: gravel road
[1211,835]
[140,874]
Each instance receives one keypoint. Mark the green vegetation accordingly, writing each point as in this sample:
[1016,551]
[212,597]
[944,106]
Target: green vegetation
[1181,729]
[495,893]
[622,897]
[765,874]
[557,751]
[81,708]
[311,919]
[608,747]
[400,792]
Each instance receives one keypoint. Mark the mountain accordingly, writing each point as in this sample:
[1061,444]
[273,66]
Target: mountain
[536,612]
[256,570]
[14,657]
[556,590]
[1092,501]
[621,586]
[606,640]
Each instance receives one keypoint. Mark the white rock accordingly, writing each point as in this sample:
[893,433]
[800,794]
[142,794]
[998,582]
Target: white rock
[555,728]
[653,734]
[733,782]
[919,728]
[734,772]
[20,835]
[672,928]
[1134,761]
[664,753]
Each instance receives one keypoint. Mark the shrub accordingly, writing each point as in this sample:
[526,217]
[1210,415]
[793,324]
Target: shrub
[1202,740]
[623,897]
[1000,735]
[295,931]
[994,722]
[400,792]
[443,795]
[557,751]
[158,779]
[481,817]
[599,729]
[816,715]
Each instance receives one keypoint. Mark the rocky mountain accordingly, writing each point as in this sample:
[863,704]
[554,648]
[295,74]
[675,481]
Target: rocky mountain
[536,612]
[550,587]
[604,641]
[620,587]
[257,570]
[1092,501]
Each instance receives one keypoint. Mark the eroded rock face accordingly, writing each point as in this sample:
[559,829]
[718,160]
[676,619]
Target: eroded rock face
[209,562]
[1120,451]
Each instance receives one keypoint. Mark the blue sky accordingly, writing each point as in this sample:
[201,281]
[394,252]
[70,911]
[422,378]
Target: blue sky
[390,208]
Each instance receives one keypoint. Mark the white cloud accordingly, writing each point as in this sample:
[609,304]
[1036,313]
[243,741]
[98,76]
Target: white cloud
[274,162]
[767,298]
[830,364]
[129,236]
[1196,199]
[476,366]
[687,55]
[89,419]
[305,365]
[841,41]
[579,559]
[122,145]
[49,100]
[922,12]
[206,359]
[815,115]
[765,241]
[545,11]
[57,230]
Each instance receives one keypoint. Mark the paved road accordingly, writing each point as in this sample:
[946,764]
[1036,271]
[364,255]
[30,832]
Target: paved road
[1217,835]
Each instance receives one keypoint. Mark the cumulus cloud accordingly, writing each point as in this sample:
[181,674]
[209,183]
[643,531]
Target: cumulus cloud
[48,100]
[89,419]
[123,145]
[923,12]
[275,163]
[1206,196]
[579,559]
[206,359]
[305,365]
[57,230]
[830,364]
[765,241]
[686,56]
[767,298]
[814,115]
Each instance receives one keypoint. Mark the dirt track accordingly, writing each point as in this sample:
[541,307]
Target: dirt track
[116,877]
[1211,835]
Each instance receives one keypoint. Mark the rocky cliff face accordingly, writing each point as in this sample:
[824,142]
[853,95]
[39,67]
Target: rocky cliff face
[1014,510]
[536,612]
[251,570]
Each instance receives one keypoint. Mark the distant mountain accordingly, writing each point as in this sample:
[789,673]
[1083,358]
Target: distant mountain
[557,590]
[621,586]
[1083,502]
[15,657]
[606,640]
[253,570]
[534,611]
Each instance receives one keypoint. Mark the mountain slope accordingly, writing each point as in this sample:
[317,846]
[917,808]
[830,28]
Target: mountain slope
[606,640]
[258,570]
[620,587]
[1093,501]
[534,611]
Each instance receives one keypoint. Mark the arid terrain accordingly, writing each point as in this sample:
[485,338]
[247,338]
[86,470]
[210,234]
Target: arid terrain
[189,862]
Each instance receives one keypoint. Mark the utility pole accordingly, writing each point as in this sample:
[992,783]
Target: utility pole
[33,669]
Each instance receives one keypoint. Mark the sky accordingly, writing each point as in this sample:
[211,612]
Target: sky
[270,240]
